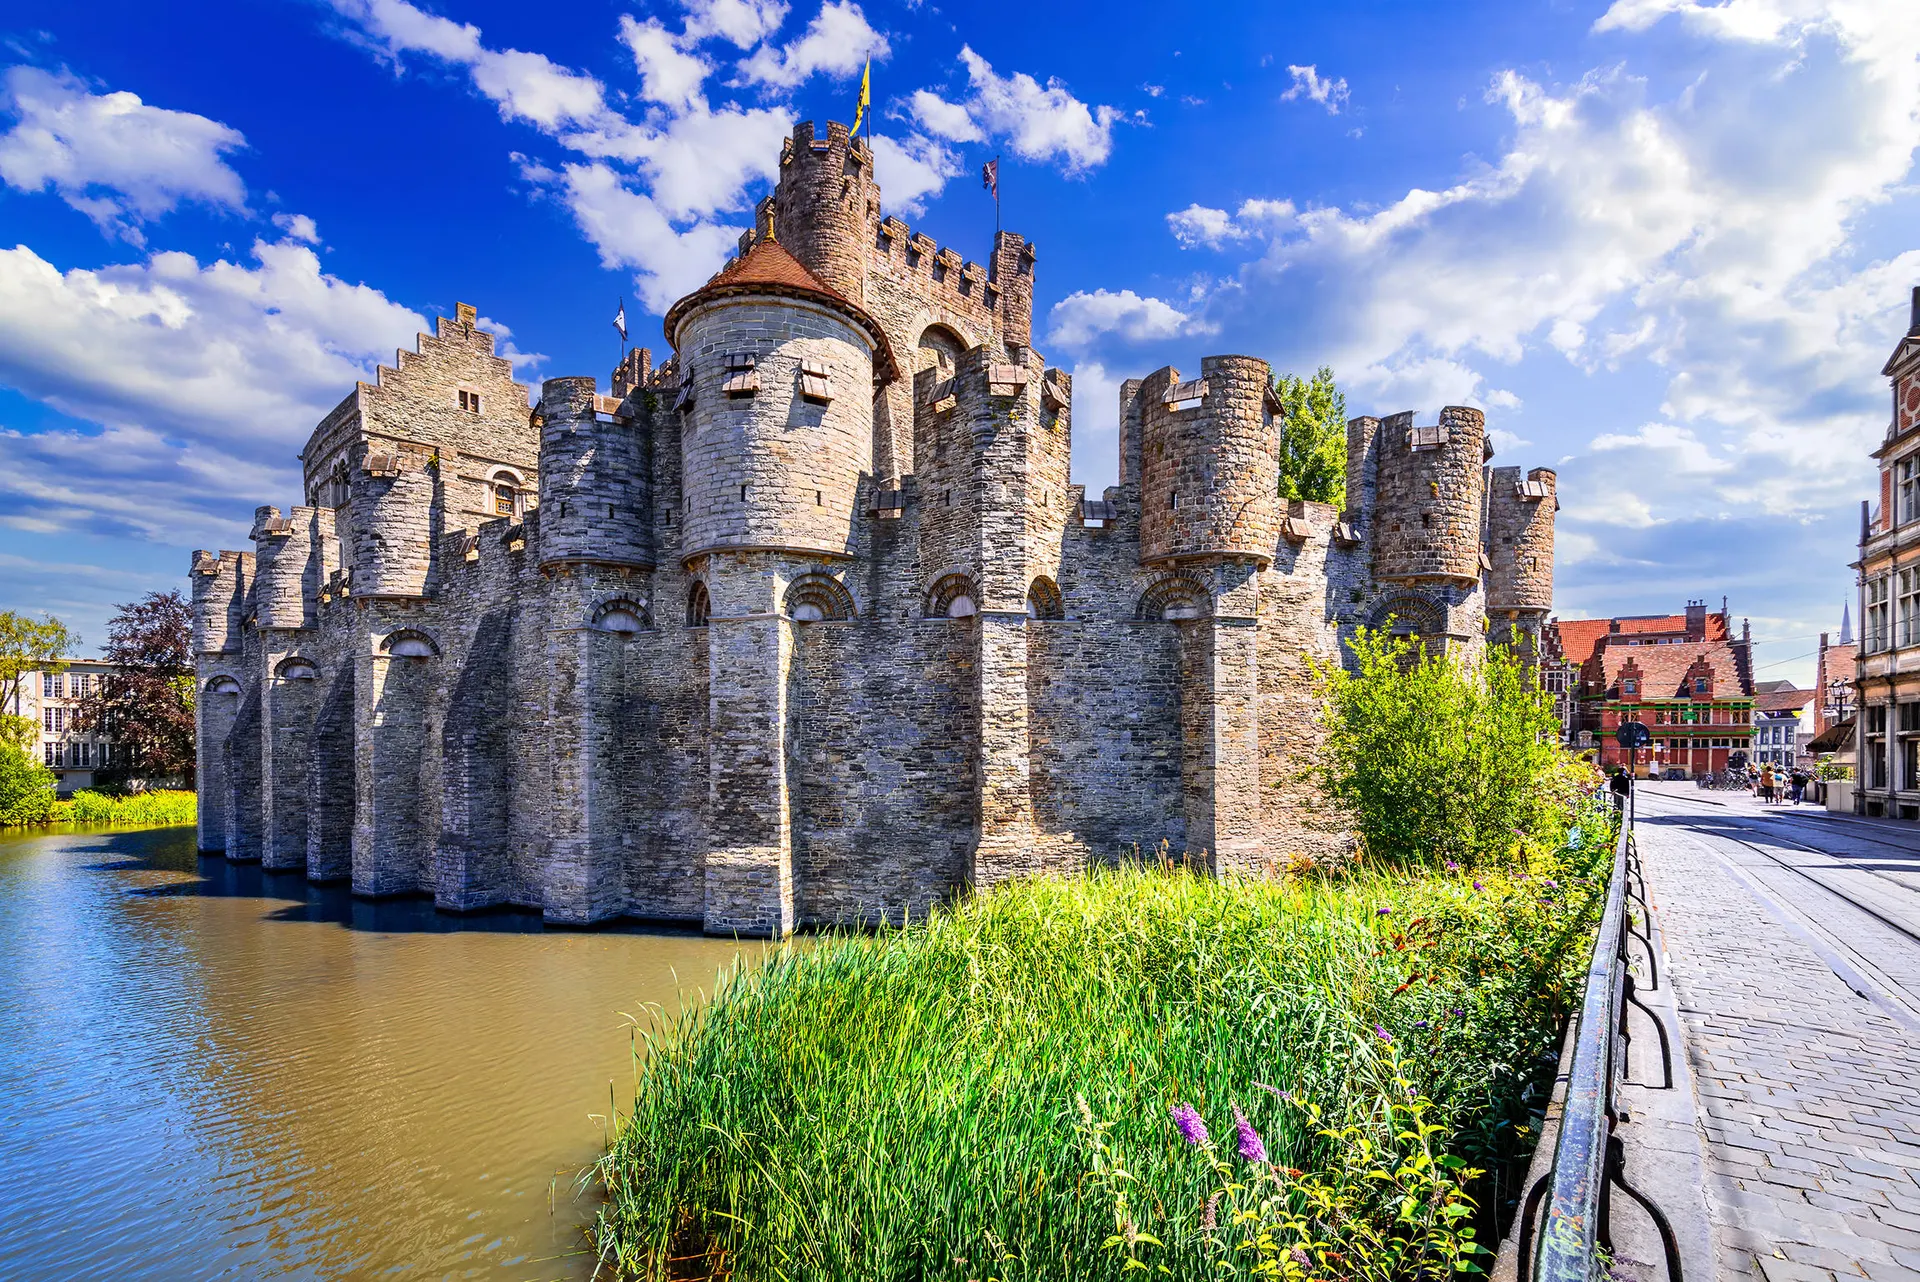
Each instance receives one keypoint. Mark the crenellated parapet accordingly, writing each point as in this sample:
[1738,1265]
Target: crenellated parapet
[286,578]
[1209,464]
[220,584]
[1429,483]
[826,205]
[1520,527]
[594,486]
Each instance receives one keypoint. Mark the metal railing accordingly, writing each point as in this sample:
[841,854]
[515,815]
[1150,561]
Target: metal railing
[1589,1159]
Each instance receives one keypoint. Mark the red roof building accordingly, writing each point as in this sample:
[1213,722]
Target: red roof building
[1684,676]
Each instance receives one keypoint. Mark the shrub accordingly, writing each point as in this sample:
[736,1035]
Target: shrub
[26,788]
[155,808]
[1439,760]
[988,1093]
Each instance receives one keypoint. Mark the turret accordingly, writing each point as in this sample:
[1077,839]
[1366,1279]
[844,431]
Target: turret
[776,394]
[1209,462]
[594,504]
[394,487]
[1428,519]
[826,206]
[283,550]
[1362,467]
[219,600]
[1520,521]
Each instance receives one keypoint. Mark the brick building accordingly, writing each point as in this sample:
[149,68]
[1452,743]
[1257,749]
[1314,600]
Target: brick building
[1686,677]
[1834,676]
[50,699]
[807,624]
[1887,667]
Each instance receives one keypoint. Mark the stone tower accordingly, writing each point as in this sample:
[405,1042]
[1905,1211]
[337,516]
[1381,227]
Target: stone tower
[777,376]
[1426,524]
[1520,523]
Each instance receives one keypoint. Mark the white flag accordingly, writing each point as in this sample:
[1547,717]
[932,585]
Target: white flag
[620,320]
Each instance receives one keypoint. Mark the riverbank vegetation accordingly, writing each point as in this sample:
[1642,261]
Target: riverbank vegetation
[27,800]
[1327,1074]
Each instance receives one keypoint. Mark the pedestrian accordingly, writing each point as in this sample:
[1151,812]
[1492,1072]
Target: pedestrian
[1620,785]
[1767,783]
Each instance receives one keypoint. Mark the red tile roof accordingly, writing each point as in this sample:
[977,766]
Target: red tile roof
[1787,700]
[1663,668]
[767,268]
[1579,636]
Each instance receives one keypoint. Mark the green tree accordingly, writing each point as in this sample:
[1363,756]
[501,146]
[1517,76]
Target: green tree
[1439,759]
[146,704]
[1313,438]
[26,788]
[27,645]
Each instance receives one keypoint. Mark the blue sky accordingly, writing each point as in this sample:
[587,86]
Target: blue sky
[1665,244]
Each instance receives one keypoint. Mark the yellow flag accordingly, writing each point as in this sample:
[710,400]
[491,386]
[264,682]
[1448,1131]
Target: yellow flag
[866,93]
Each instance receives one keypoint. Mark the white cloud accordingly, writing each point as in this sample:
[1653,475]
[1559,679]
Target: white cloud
[218,373]
[944,119]
[1039,122]
[298,227]
[1096,426]
[1329,92]
[837,42]
[1198,227]
[1079,319]
[632,230]
[110,156]
[668,73]
[743,22]
[911,169]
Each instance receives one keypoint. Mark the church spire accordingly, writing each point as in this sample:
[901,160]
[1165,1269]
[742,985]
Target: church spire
[1846,623]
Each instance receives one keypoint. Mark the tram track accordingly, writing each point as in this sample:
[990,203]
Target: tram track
[1789,817]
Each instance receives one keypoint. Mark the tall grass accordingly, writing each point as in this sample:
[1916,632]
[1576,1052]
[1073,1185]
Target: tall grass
[154,808]
[906,1105]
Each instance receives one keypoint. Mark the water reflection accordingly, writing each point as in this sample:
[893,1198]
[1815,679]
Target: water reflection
[209,1070]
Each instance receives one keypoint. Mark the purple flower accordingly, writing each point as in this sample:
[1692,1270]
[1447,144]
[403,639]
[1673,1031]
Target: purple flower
[1381,1032]
[1250,1146]
[1420,1023]
[1478,886]
[1452,866]
[1188,1123]
[1285,1095]
[1382,912]
[1459,1010]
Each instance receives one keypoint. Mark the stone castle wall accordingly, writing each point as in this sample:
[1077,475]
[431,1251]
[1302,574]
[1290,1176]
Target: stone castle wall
[759,659]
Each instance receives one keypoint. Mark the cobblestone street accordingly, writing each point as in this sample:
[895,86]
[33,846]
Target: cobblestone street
[1792,950]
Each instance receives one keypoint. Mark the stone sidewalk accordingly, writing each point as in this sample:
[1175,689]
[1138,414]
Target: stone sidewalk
[1808,1093]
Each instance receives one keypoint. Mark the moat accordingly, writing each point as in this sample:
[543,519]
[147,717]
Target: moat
[210,1071]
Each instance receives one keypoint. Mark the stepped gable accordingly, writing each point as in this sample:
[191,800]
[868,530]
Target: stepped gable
[768,268]
[1663,668]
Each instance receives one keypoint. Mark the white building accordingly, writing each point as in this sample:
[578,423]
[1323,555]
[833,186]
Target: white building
[51,700]
[1777,734]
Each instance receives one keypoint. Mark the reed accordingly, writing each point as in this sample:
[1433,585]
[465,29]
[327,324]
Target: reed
[155,808]
[989,1093]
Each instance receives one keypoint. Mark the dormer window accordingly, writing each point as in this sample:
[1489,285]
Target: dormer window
[1629,686]
[470,402]
[1702,685]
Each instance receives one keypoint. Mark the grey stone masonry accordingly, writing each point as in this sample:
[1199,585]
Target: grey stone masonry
[806,623]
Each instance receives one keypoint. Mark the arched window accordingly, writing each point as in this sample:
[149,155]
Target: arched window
[223,685]
[1043,600]
[295,668]
[699,607]
[816,598]
[409,644]
[1175,597]
[952,597]
[939,349]
[503,493]
[623,617]
[1407,614]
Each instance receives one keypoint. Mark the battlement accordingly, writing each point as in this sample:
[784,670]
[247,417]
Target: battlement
[220,584]
[825,205]
[1520,526]
[1428,491]
[1209,468]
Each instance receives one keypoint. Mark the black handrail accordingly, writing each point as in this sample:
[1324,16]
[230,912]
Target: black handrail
[1588,1156]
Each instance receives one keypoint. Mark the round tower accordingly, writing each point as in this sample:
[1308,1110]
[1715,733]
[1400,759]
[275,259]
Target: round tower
[1429,484]
[776,396]
[393,502]
[1520,539]
[282,548]
[826,206]
[1209,467]
[593,483]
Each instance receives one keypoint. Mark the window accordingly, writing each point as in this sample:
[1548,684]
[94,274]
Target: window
[46,719]
[470,402]
[83,754]
[82,685]
[742,378]
[52,686]
[53,757]
[503,498]
[813,382]
[1878,634]
[1907,606]
[1629,685]
[699,606]
[1906,490]
[1702,685]
[59,720]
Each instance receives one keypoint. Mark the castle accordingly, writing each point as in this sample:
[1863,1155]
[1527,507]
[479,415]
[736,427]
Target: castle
[806,624]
